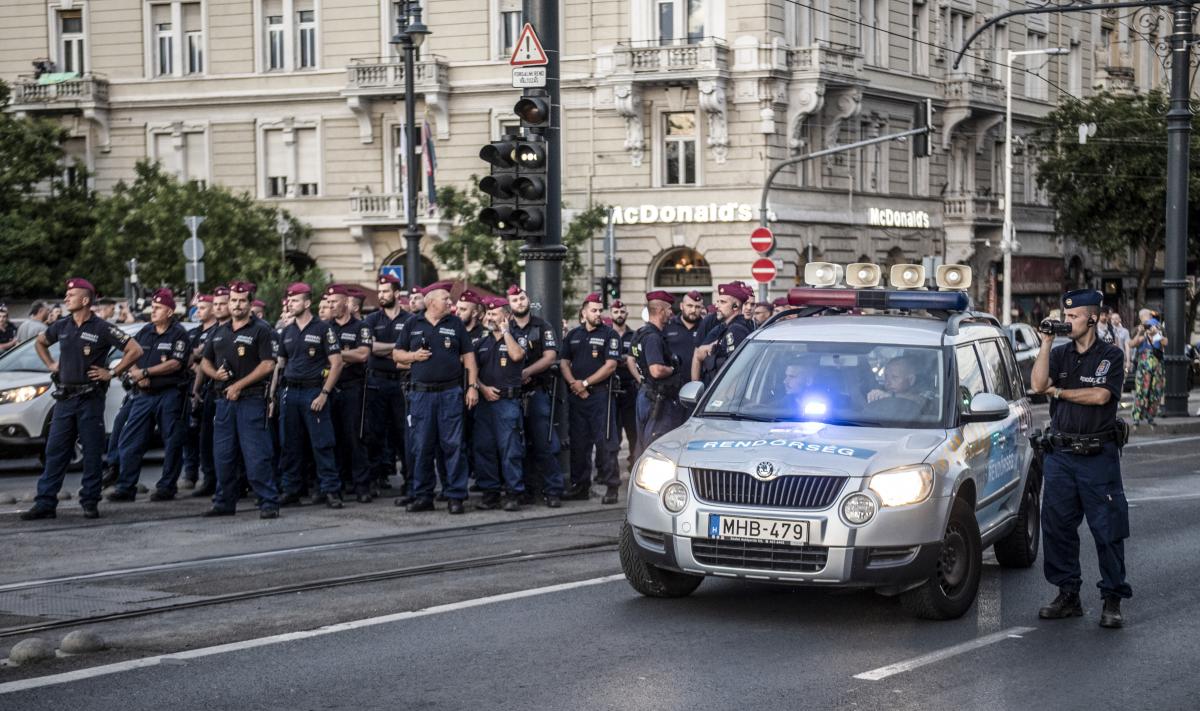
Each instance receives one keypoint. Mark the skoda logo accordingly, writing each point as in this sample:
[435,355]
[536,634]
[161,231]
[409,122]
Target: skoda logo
[764,471]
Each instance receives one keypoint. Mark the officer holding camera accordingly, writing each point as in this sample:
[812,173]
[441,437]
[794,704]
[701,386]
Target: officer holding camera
[1081,466]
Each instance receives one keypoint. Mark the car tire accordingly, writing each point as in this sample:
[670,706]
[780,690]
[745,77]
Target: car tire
[648,579]
[951,590]
[1019,549]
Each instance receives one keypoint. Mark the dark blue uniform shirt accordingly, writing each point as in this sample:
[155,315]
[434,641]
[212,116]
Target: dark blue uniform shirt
[536,338]
[650,348]
[496,368]
[476,334]
[1100,366]
[308,349]
[588,350]
[622,371]
[158,348]
[352,334]
[682,341]
[384,330]
[241,350]
[81,347]
[446,340]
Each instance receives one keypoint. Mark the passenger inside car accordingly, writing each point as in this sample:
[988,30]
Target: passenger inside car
[901,393]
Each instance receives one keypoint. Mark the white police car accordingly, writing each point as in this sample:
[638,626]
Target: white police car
[869,438]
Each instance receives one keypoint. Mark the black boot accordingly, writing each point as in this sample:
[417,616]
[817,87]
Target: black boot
[1065,605]
[109,477]
[1111,616]
[610,495]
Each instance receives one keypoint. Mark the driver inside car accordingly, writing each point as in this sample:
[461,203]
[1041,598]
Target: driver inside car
[900,393]
[807,390]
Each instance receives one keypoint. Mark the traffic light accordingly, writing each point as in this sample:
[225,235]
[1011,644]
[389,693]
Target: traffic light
[530,187]
[500,186]
[923,118]
[534,111]
[611,287]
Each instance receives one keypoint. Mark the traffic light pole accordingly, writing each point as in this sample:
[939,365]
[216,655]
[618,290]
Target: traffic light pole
[543,262]
[412,234]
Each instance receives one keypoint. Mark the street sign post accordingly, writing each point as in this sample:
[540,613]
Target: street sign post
[763,270]
[762,240]
[193,251]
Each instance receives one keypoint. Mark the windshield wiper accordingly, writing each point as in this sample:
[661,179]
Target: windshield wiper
[738,416]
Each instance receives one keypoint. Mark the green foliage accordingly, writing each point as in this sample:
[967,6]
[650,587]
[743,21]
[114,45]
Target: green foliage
[1110,193]
[43,217]
[498,262]
[145,220]
[273,287]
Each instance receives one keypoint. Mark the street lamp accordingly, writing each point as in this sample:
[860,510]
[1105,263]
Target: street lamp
[1009,236]
[410,33]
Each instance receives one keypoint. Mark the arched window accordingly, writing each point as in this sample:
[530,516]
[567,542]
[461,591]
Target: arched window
[429,272]
[681,270]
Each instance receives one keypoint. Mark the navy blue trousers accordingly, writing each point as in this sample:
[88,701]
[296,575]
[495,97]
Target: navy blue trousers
[241,433]
[112,452]
[298,424]
[146,411]
[541,447]
[499,445]
[592,425]
[347,404]
[82,419]
[1077,487]
[385,426]
[435,422]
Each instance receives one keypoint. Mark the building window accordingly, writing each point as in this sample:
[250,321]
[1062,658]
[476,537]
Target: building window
[960,27]
[71,37]
[74,160]
[306,39]
[291,162]
[193,38]
[164,47]
[681,270]
[508,26]
[678,19]
[308,162]
[1035,67]
[919,59]
[177,42]
[182,151]
[679,148]
[274,42]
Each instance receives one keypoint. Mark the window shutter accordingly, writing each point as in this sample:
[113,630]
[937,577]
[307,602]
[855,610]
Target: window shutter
[164,151]
[308,156]
[276,153]
[196,152]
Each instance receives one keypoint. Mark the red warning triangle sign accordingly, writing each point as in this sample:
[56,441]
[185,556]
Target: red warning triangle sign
[528,51]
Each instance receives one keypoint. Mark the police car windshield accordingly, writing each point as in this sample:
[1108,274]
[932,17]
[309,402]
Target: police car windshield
[854,384]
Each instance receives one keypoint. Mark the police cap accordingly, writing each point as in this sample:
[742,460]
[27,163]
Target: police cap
[1082,297]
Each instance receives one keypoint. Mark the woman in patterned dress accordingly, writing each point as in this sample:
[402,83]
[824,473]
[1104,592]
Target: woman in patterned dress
[1149,380]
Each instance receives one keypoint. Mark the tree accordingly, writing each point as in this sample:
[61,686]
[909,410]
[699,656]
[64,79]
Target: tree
[145,220]
[1109,193]
[499,261]
[43,214]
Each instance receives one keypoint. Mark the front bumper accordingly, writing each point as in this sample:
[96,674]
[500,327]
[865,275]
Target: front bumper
[22,424]
[899,547]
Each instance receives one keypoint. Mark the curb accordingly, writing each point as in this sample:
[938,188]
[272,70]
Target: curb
[1165,426]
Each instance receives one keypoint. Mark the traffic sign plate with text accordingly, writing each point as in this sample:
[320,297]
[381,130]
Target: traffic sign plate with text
[527,77]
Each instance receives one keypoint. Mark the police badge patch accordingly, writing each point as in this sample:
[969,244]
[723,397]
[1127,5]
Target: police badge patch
[1103,368]
[87,350]
[446,343]
[312,351]
[241,351]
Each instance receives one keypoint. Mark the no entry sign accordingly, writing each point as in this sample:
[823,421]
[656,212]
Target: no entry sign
[762,240]
[763,271]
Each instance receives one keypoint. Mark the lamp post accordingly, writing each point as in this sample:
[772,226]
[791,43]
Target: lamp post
[1010,234]
[410,33]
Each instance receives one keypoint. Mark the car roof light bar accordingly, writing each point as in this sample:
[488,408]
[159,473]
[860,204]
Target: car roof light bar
[879,299]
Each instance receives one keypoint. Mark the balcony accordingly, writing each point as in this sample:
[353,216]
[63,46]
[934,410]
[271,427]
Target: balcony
[368,79]
[972,210]
[826,61]
[676,63]
[385,209]
[59,92]
[973,92]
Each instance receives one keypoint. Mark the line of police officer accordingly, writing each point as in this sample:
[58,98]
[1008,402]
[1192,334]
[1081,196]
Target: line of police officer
[460,393]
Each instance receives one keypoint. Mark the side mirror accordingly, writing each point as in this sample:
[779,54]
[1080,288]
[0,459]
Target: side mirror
[987,407]
[691,393]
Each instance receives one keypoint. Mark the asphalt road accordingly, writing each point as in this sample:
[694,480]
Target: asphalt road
[562,634]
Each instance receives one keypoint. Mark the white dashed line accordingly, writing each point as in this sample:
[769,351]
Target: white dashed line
[941,654]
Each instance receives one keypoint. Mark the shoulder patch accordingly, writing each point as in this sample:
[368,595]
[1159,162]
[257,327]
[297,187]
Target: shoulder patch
[1103,368]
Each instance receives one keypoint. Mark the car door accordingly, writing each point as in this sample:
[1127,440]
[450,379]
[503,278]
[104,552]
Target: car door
[1000,495]
[975,435]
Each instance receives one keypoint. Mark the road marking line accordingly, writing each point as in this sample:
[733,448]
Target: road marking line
[939,655]
[1160,440]
[175,658]
[1167,497]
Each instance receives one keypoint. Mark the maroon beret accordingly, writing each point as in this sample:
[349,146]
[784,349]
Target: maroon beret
[593,298]
[495,302]
[660,296]
[80,283]
[617,304]
[204,299]
[416,291]
[388,279]
[221,291]
[164,297]
[695,296]
[297,288]
[336,290]
[781,301]
[242,287]
[513,290]
[471,297]
[732,289]
[259,303]
[437,286]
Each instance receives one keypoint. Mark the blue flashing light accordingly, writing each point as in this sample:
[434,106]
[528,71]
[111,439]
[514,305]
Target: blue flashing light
[930,300]
[880,299]
[813,407]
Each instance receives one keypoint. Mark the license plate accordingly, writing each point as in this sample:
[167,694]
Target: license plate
[757,529]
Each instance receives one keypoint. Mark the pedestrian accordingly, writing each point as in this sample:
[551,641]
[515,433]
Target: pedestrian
[589,361]
[156,399]
[731,329]
[1122,338]
[8,332]
[349,397]
[1104,329]
[437,349]
[39,313]
[627,384]
[385,394]
[239,358]
[657,367]
[499,431]
[198,460]
[540,342]
[82,376]
[1149,381]
[311,361]
[1081,470]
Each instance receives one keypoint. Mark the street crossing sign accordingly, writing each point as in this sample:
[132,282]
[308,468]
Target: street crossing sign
[396,270]
[528,51]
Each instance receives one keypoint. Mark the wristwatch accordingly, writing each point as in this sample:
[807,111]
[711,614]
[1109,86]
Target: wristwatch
[324,392]
[1057,394]
[473,386]
[585,382]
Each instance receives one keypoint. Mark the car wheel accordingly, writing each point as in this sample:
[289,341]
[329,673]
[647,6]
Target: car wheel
[951,590]
[1019,549]
[650,580]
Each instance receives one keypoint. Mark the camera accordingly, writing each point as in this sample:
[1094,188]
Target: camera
[1052,327]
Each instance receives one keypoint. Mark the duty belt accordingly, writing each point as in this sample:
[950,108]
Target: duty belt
[509,393]
[296,383]
[434,387]
[68,392]
[1081,443]
[387,374]
[251,392]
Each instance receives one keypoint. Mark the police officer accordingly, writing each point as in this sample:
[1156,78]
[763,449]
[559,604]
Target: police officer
[540,342]
[724,338]
[82,375]
[1081,469]
[683,335]
[436,347]
[193,462]
[258,309]
[349,402]
[470,311]
[239,358]
[156,399]
[385,396]
[499,436]
[590,355]
[627,383]
[656,410]
[311,360]
[205,390]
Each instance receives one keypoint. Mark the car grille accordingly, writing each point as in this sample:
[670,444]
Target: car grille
[760,556]
[805,491]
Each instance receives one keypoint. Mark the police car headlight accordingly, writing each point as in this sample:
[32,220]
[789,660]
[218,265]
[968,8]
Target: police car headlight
[904,485]
[22,394]
[857,509]
[675,497]
[653,472]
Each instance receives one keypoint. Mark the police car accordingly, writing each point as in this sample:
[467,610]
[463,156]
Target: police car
[869,437]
